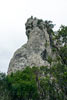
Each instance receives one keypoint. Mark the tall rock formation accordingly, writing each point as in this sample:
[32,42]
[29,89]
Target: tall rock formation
[37,49]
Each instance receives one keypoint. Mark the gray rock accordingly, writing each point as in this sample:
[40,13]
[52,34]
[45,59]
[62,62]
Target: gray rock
[36,50]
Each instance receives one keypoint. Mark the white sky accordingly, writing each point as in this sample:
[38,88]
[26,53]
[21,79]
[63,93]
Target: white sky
[13,15]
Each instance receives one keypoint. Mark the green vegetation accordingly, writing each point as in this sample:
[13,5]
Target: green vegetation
[39,83]
[54,49]
[22,85]
[39,24]
[53,85]
[61,37]
[63,34]
[4,93]
[49,26]
[35,83]
[63,54]
[49,59]
[46,44]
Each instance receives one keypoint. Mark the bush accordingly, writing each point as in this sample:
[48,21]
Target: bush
[22,85]
[49,59]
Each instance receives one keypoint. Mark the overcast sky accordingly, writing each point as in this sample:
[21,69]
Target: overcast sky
[13,15]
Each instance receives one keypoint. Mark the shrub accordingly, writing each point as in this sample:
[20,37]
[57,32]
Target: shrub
[22,85]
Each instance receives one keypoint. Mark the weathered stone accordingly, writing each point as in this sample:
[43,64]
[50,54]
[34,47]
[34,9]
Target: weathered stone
[37,49]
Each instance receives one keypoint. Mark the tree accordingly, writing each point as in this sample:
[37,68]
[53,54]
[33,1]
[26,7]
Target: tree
[62,34]
[22,85]
[63,54]
[53,85]
[4,93]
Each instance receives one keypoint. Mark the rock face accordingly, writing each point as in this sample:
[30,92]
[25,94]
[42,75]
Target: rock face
[37,49]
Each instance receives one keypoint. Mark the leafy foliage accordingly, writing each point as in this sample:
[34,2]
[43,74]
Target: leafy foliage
[63,54]
[4,93]
[63,34]
[43,83]
[49,59]
[53,85]
[22,85]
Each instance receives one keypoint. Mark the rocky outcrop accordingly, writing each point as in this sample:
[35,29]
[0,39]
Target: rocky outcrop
[37,49]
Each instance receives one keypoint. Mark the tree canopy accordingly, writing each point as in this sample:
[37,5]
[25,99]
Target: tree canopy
[40,83]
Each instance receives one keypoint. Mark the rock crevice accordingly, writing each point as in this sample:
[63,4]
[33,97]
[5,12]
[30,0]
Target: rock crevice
[37,48]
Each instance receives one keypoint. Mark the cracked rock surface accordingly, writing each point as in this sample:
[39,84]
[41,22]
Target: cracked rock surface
[36,50]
